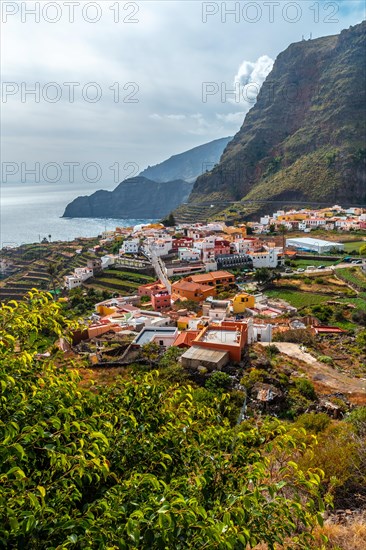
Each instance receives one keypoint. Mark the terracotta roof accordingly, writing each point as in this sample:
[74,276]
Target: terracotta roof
[186,338]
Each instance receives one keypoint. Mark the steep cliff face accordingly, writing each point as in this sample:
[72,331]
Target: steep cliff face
[190,164]
[136,197]
[304,139]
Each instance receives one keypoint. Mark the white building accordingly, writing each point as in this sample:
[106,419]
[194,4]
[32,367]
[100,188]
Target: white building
[163,336]
[259,332]
[269,258]
[313,245]
[189,254]
[130,246]
[80,275]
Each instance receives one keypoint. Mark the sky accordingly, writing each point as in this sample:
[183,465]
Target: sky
[118,86]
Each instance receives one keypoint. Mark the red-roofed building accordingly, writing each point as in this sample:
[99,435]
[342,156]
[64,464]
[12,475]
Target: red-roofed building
[185,339]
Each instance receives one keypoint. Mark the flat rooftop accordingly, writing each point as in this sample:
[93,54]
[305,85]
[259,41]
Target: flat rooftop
[215,336]
[312,242]
[147,333]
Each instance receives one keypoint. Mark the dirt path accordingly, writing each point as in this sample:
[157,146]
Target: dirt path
[323,374]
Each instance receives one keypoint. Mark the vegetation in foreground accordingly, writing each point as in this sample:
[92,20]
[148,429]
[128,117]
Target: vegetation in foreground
[143,464]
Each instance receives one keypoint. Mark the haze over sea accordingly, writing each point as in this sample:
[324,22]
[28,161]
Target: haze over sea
[29,212]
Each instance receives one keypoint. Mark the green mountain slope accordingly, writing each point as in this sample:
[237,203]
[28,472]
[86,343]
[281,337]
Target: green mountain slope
[304,139]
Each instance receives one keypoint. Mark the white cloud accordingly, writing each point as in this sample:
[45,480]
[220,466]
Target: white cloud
[232,118]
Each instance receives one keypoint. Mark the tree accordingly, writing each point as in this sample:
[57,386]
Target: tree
[362,250]
[137,464]
[52,270]
[169,221]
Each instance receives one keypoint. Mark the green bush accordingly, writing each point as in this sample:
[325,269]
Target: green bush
[218,381]
[358,419]
[305,388]
[325,359]
[252,377]
[313,422]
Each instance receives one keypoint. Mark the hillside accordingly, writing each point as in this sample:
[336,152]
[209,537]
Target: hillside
[190,164]
[136,197]
[304,139]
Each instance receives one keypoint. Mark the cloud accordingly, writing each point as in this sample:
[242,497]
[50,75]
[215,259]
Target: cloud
[249,79]
[232,118]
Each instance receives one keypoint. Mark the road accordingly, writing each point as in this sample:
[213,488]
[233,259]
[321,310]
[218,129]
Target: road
[328,269]
[158,265]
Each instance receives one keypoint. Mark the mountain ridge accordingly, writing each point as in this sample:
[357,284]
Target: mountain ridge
[189,164]
[303,140]
[136,197]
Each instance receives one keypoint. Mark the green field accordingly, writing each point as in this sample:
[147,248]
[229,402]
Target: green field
[349,247]
[304,263]
[296,298]
[353,275]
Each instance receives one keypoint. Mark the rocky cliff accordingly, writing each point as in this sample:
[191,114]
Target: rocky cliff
[304,139]
[137,198]
[190,164]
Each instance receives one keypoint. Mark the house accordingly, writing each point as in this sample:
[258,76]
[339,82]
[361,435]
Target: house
[242,301]
[130,246]
[269,258]
[185,339]
[189,254]
[192,291]
[214,278]
[216,309]
[161,301]
[80,275]
[229,336]
[150,288]
[211,359]
[259,332]
[163,336]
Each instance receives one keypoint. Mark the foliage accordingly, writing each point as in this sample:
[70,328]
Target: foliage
[313,422]
[306,388]
[137,464]
[362,250]
[218,381]
[297,336]
[358,419]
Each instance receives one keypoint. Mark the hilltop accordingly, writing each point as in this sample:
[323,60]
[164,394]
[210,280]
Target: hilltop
[304,139]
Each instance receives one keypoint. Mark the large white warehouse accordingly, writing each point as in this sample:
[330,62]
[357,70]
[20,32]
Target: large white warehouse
[313,245]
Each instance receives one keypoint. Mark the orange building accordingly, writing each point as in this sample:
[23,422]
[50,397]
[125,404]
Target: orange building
[229,336]
[213,278]
[192,291]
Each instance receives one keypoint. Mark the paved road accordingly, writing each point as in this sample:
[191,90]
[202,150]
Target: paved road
[328,269]
[158,266]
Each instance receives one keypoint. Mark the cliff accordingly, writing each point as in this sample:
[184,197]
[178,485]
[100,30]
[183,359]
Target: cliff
[190,164]
[302,142]
[136,197]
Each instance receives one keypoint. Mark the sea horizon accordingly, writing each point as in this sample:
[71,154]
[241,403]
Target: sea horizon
[30,213]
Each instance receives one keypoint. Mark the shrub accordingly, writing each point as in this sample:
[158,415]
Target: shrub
[325,359]
[252,377]
[313,422]
[358,419]
[218,381]
[305,388]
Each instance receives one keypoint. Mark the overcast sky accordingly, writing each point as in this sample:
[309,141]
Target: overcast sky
[158,55]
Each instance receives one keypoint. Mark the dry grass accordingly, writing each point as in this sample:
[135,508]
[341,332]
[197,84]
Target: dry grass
[351,536]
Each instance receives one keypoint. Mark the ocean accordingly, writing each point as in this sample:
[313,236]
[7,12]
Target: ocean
[30,212]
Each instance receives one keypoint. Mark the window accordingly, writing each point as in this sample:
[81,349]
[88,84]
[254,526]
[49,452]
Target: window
[161,342]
